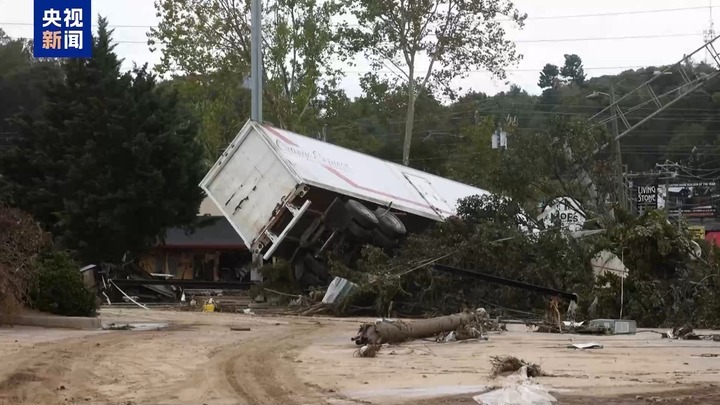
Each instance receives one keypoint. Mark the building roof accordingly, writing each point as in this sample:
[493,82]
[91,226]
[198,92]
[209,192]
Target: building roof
[217,233]
[208,207]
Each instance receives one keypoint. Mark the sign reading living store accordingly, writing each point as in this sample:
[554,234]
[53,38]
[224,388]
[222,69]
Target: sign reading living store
[647,198]
[62,29]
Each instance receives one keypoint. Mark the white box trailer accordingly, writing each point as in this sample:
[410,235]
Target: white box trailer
[279,189]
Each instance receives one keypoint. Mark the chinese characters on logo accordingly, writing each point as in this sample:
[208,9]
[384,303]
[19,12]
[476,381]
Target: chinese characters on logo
[60,28]
[70,38]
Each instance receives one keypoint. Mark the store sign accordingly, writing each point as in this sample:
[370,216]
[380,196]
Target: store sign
[646,198]
[565,210]
[697,232]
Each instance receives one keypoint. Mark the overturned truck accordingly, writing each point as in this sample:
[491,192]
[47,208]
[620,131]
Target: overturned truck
[294,197]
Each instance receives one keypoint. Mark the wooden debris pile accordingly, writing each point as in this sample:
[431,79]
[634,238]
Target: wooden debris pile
[504,365]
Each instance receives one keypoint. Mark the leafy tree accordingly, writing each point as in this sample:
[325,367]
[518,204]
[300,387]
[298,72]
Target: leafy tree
[548,76]
[59,287]
[427,44]
[537,167]
[22,80]
[112,160]
[572,70]
[209,40]
[474,161]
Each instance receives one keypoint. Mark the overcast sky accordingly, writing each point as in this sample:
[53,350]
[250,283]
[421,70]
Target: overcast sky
[610,36]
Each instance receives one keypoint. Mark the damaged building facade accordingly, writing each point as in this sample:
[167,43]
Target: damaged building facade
[212,252]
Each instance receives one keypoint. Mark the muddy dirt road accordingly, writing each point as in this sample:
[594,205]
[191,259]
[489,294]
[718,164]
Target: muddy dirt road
[289,360]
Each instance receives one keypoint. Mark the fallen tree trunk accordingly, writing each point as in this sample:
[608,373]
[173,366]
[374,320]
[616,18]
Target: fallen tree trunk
[387,331]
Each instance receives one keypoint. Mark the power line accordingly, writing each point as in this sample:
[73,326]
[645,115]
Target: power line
[549,17]
[519,41]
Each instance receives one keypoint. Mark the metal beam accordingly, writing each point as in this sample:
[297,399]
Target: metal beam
[660,102]
[197,284]
[256,60]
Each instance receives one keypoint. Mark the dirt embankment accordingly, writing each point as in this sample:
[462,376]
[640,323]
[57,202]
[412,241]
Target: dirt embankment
[199,360]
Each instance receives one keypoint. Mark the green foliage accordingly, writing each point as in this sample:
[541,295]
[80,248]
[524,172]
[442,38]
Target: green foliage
[538,168]
[59,287]
[572,70]
[666,285]
[110,163]
[278,276]
[456,37]
[209,40]
[486,236]
[548,76]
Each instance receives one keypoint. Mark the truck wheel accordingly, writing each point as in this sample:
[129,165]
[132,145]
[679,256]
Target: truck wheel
[309,280]
[383,240]
[357,231]
[389,223]
[361,214]
[299,268]
[317,267]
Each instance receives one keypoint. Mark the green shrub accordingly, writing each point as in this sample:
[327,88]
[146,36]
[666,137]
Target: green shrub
[59,287]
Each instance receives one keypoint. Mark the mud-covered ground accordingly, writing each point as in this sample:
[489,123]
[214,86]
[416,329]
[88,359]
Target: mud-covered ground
[292,360]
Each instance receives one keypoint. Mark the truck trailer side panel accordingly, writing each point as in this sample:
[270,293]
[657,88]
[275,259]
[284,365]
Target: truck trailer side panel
[367,178]
[249,183]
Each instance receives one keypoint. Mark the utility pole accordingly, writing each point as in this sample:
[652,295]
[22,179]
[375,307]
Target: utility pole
[617,161]
[256,60]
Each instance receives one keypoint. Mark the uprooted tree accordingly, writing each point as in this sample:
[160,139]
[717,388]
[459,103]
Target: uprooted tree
[488,234]
[667,284]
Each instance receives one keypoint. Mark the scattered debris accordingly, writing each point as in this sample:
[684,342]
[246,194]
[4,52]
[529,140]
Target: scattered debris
[593,327]
[450,337]
[338,290]
[686,332]
[502,365]
[209,306]
[127,296]
[240,329]
[369,350]
[113,326]
[397,331]
[709,355]
[517,390]
[583,346]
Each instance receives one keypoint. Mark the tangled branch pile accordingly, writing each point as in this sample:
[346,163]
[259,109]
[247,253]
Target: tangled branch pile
[667,283]
[21,240]
[488,234]
[509,364]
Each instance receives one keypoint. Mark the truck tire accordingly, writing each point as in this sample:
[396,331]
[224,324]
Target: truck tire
[299,270]
[389,223]
[361,214]
[358,232]
[316,267]
[382,240]
[309,280]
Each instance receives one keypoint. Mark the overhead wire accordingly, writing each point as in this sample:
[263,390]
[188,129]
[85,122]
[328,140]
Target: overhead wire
[529,18]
